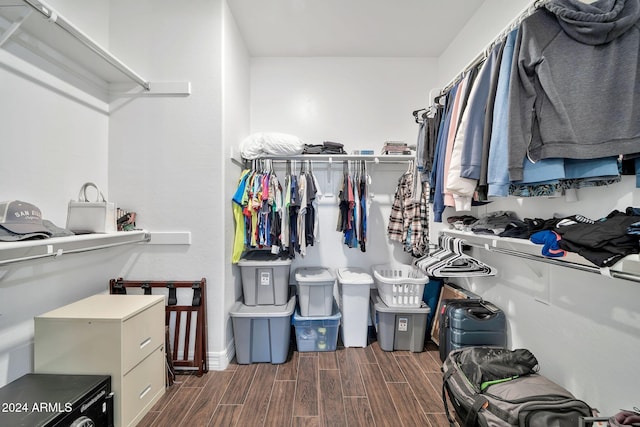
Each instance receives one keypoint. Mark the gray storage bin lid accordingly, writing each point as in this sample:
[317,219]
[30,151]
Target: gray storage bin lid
[335,316]
[381,307]
[314,275]
[262,258]
[241,310]
[354,276]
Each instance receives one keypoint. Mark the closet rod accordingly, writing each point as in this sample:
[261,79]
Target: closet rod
[535,5]
[52,16]
[554,261]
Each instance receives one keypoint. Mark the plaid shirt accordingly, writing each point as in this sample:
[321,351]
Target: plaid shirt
[419,227]
[408,218]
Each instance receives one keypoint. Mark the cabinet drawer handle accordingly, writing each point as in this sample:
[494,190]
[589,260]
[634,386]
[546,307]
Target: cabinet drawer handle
[146,390]
[145,342]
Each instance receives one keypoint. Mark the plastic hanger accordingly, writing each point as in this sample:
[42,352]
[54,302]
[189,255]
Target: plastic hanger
[450,261]
[461,264]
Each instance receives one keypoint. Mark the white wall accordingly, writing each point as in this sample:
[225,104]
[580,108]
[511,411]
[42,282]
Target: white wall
[582,327]
[235,124]
[168,159]
[53,140]
[165,153]
[480,31]
[360,102]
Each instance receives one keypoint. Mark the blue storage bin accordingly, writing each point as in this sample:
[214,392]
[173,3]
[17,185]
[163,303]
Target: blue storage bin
[317,333]
[431,296]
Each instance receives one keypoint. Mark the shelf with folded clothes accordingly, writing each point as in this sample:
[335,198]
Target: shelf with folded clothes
[29,250]
[627,268]
[330,158]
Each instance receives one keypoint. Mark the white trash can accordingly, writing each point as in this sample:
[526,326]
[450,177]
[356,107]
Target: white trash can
[354,285]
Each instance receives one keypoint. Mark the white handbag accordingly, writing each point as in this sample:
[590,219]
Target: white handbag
[85,217]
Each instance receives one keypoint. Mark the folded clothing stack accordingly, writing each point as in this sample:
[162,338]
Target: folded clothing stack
[327,147]
[395,147]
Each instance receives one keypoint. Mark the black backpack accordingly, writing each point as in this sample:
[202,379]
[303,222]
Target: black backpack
[493,386]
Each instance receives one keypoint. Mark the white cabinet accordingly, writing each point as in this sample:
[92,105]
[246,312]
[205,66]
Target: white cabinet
[118,335]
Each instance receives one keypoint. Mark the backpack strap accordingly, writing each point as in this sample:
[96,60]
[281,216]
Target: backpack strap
[452,421]
[472,417]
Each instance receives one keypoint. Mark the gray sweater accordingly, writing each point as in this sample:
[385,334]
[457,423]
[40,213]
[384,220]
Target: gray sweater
[575,87]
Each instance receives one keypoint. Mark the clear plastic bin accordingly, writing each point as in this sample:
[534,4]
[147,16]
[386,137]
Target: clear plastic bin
[317,333]
[400,285]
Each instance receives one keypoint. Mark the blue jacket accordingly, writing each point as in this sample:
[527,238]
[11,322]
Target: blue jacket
[475,120]
[437,173]
[498,169]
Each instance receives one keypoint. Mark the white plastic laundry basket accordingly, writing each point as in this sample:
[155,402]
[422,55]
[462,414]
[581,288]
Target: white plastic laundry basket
[400,285]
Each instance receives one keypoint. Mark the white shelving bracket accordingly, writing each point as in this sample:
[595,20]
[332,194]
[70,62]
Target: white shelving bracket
[14,27]
[61,47]
[121,90]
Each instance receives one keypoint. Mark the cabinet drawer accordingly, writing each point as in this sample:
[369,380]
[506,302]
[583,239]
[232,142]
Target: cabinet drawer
[141,335]
[142,387]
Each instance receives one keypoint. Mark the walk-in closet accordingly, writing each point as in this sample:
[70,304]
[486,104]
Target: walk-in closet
[312,187]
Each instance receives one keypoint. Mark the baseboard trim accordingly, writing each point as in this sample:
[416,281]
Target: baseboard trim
[219,361]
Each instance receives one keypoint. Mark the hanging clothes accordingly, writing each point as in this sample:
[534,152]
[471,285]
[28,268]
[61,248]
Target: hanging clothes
[284,216]
[354,205]
[301,232]
[482,189]
[437,174]
[314,204]
[257,210]
[311,215]
[498,168]
[523,124]
[458,109]
[461,181]
[584,115]
[408,220]
[347,215]
[236,203]
[363,206]
[295,218]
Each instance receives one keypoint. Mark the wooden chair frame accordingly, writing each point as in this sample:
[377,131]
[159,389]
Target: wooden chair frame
[198,306]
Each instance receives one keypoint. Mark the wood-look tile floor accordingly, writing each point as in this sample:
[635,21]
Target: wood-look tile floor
[346,387]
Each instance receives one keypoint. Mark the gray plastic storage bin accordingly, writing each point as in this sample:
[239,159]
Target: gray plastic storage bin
[315,291]
[265,278]
[261,333]
[399,328]
[354,286]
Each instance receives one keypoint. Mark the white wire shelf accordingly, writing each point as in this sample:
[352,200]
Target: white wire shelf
[29,250]
[627,268]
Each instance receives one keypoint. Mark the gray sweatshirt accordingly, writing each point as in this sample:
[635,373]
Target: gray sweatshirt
[575,86]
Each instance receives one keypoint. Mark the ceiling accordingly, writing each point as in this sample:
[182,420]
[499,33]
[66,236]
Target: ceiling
[353,28]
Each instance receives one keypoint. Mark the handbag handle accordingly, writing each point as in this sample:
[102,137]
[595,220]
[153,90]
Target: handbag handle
[82,195]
